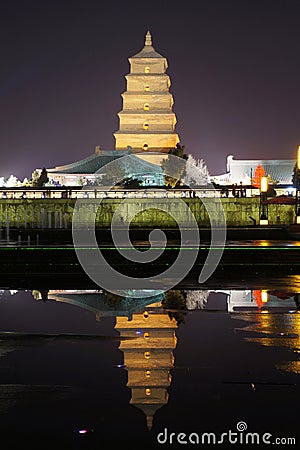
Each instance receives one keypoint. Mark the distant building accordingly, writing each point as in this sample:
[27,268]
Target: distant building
[280,171]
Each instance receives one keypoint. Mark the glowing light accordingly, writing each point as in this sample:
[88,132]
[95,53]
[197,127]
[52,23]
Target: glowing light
[264,243]
[298,158]
[148,392]
[146,335]
[264,296]
[147,355]
[264,184]
[298,220]
[84,431]
[263,222]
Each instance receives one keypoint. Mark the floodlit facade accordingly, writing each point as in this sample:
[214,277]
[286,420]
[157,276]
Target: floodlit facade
[146,121]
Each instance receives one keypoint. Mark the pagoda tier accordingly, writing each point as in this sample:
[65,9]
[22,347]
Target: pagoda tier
[146,121]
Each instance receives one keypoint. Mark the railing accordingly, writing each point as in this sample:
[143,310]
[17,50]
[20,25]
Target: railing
[73,193]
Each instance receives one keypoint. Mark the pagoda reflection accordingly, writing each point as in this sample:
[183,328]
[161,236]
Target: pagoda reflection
[147,327]
[148,356]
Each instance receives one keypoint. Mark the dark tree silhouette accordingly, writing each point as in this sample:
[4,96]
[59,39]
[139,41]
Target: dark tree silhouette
[175,302]
[131,183]
[42,180]
[174,169]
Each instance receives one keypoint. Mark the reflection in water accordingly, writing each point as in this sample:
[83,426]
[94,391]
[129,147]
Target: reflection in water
[103,303]
[148,356]
[149,329]
[276,330]
[150,325]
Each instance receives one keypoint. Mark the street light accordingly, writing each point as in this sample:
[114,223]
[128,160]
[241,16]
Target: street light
[264,296]
[264,185]
[297,185]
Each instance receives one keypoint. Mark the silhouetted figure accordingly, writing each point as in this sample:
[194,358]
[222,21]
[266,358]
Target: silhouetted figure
[234,190]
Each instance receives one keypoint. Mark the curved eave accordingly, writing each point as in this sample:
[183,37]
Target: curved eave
[146,53]
[91,164]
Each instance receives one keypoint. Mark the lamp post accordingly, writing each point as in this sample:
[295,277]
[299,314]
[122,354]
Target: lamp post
[263,210]
[297,186]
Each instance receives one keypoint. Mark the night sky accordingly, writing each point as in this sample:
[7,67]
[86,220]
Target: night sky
[234,68]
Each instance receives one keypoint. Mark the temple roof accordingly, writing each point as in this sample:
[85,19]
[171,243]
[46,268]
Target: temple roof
[148,50]
[92,164]
[98,303]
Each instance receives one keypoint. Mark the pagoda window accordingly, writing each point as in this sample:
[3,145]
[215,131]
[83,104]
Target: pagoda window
[147,69]
[146,87]
[146,315]
[148,392]
[146,335]
[145,147]
[147,355]
[147,373]
[146,106]
[146,126]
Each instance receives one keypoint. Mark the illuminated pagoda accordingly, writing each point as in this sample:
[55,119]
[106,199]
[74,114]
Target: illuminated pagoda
[147,122]
[146,125]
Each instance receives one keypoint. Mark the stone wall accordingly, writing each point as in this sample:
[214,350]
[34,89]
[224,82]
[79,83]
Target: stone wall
[58,213]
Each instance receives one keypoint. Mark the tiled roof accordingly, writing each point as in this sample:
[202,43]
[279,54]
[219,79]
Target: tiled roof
[96,302]
[281,171]
[95,162]
[91,164]
[148,52]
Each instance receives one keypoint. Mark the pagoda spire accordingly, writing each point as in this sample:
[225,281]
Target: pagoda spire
[148,39]
[147,121]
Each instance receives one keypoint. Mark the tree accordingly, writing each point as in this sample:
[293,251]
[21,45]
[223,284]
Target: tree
[131,182]
[34,178]
[175,302]
[43,178]
[39,180]
[258,174]
[296,177]
[174,169]
[196,299]
[12,181]
[196,172]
